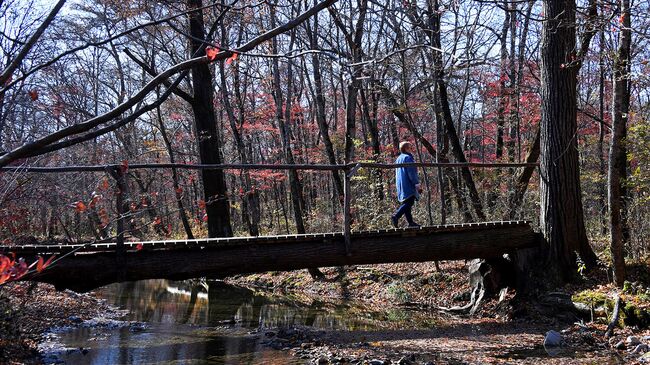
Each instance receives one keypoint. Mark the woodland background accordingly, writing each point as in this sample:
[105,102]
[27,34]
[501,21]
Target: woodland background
[372,69]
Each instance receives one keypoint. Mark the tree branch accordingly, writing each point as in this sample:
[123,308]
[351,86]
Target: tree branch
[7,72]
[177,90]
[32,148]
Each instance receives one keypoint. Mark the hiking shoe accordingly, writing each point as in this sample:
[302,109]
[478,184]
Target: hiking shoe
[394,221]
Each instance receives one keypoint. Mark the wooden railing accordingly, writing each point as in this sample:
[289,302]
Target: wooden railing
[117,172]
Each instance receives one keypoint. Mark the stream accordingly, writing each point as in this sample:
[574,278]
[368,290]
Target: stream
[170,322]
[179,323]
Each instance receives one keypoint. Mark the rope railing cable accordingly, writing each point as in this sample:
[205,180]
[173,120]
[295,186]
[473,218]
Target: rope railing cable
[313,167]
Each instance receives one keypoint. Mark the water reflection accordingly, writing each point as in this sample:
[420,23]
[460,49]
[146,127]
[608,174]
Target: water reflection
[162,301]
[187,323]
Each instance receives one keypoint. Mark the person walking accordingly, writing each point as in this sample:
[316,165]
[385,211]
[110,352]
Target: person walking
[408,186]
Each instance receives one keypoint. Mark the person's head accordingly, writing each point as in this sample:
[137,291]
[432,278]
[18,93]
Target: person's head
[405,147]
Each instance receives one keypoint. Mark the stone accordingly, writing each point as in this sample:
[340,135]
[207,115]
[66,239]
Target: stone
[137,327]
[75,319]
[632,341]
[640,348]
[552,339]
[645,358]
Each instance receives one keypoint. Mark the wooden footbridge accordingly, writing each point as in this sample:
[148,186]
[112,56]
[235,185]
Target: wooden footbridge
[84,267]
[94,265]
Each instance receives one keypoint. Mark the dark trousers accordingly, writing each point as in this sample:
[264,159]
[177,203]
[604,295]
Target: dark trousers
[405,210]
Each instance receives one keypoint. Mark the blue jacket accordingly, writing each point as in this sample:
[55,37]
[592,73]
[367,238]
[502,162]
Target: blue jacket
[406,178]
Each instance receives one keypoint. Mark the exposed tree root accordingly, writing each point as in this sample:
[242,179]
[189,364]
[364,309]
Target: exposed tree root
[612,324]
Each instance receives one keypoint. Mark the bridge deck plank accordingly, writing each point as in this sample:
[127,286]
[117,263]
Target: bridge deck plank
[238,241]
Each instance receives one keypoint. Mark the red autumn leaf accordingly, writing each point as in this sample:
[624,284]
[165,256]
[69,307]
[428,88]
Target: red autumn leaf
[138,247]
[4,264]
[79,206]
[202,204]
[46,264]
[103,215]
[33,94]
[39,264]
[179,190]
[205,217]
[94,200]
[231,58]
[211,52]
[157,221]
[124,166]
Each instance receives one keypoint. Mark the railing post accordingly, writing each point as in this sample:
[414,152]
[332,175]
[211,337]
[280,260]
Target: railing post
[443,198]
[119,174]
[347,197]
[346,212]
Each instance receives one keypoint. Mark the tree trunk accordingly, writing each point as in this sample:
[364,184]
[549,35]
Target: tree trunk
[175,181]
[284,120]
[561,216]
[617,151]
[502,83]
[321,119]
[602,172]
[248,205]
[373,132]
[512,96]
[215,193]
[445,110]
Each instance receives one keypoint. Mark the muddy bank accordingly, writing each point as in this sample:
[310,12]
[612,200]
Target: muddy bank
[501,332]
[28,311]
[469,341]
[386,284]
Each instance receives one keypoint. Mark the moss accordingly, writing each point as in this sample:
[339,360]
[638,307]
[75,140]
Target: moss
[593,299]
[644,297]
[627,287]
[636,316]
[399,293]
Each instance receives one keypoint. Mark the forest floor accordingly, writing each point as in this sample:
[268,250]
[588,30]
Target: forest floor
[28,311]
[502,332]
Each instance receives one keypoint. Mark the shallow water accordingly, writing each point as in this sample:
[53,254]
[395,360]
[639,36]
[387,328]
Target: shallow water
[186,323]
[180,323]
